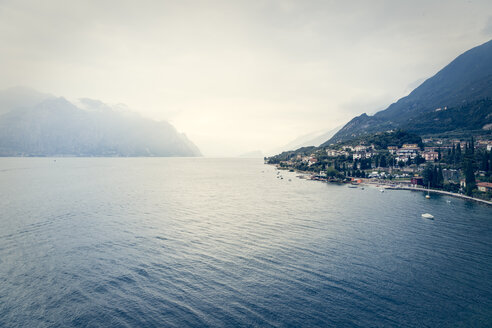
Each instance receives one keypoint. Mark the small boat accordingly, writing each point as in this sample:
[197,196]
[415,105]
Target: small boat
[448,201]
[428,216]
[381,190]
[352,186]
[362,188]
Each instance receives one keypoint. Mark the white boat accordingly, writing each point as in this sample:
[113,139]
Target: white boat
[428,216]
[381,190]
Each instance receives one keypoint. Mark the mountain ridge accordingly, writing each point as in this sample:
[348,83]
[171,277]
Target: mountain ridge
[57,127]
[466,79]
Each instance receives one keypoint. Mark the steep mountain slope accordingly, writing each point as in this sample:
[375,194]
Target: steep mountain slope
[58,127]
[473,116]
[311,139]
[466,79]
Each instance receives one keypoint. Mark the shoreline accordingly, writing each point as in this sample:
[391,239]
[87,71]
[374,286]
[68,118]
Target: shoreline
[385,185]
[442,192]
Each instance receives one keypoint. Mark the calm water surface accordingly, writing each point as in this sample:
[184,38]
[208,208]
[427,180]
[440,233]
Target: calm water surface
[223,242]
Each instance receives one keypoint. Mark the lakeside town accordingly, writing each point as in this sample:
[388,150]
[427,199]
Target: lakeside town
[397,159]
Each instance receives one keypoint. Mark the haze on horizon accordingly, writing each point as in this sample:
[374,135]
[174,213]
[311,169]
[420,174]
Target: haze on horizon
[237,76]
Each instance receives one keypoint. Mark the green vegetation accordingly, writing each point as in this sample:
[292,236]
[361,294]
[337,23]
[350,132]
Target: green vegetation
[471,116]
[456,99]
[433,177]
[382,140]
[369,157]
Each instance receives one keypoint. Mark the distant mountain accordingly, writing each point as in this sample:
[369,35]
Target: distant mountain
[252,154]
[56,126]
[311,139]
[465,80]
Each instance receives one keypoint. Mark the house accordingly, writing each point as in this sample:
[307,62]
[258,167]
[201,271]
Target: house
[431,155]
[335,153]
[392,149]
[401,159]
[407,153]
[410,146]
[360,148]
[312,161]
[451,175]
[331,152]
[484,186]
[362,154]
[357,155]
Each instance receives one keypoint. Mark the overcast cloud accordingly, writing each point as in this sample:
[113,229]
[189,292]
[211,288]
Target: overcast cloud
[237,76]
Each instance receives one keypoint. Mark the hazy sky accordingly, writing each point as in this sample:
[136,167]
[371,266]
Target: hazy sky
[237,76]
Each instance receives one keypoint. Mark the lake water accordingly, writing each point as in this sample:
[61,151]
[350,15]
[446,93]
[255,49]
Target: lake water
[171,242]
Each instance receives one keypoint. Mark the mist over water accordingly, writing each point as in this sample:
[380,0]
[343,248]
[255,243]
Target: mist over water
[152,242]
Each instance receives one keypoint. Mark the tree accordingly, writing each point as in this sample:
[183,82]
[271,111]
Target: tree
[427,175]
[331,172]
[382,162]
[457,158]
[469,177]
[434,177]
[419,160]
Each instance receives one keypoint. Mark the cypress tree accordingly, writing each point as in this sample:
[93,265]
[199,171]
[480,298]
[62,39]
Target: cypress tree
[469,176]
[458,154]
[434,181]
[382,162]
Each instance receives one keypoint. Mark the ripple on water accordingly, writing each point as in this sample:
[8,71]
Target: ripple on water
[203,242]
